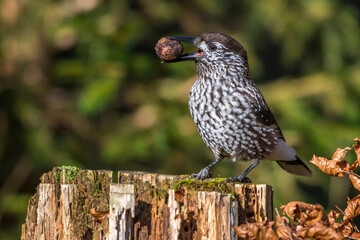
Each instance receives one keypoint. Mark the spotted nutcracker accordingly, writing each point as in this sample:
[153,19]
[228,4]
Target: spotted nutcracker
[229,111]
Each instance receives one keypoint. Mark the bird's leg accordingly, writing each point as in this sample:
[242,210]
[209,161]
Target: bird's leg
[242,177]
[204,173]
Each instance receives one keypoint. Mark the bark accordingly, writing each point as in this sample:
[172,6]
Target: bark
[85,204]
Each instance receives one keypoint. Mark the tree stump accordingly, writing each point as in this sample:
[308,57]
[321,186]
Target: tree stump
[84,204]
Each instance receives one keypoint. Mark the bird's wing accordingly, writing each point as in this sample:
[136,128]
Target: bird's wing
[266,118]
[262,112]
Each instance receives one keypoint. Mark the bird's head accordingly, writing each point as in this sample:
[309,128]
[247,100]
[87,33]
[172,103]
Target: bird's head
[214,48]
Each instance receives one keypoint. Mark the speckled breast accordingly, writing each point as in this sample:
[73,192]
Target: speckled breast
[225,120]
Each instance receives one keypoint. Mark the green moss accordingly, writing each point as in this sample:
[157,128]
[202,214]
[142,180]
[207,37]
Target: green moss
[70,172]
[209,185]
[56,176]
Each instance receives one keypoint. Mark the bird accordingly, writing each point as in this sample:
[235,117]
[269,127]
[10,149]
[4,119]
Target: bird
[230,112]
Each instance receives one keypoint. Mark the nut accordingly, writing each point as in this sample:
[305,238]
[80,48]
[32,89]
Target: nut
[168,49]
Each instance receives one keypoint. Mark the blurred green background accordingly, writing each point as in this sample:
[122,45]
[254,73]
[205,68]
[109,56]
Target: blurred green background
[81,85]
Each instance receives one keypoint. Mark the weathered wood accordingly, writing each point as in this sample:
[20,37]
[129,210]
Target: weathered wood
[122,211]
[45,212]
[256,202]
[60,209]
[174,216]
[67,198]
[85,204]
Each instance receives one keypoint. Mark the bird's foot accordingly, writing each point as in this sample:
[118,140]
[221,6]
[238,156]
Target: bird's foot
[238,179]
[202,175]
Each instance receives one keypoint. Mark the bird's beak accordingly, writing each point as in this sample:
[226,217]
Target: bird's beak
[191,55]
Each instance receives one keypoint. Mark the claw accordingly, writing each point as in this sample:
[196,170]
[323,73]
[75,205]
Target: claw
[202,175]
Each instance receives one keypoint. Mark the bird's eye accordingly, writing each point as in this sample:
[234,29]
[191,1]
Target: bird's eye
[212,47]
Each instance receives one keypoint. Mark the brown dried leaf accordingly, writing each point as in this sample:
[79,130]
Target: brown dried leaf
[314,215]
[353,208]
[332,168]
[98,215]
[355,235]
[340,154]
[294,209]
[299,227]
[257,230]
[355,181]
[356,147]
[346,228]
[282,227]
[343,165]
[332,216]
[354,166]
[318,231]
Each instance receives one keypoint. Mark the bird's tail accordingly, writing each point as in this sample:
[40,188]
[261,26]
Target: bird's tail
[295,167]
